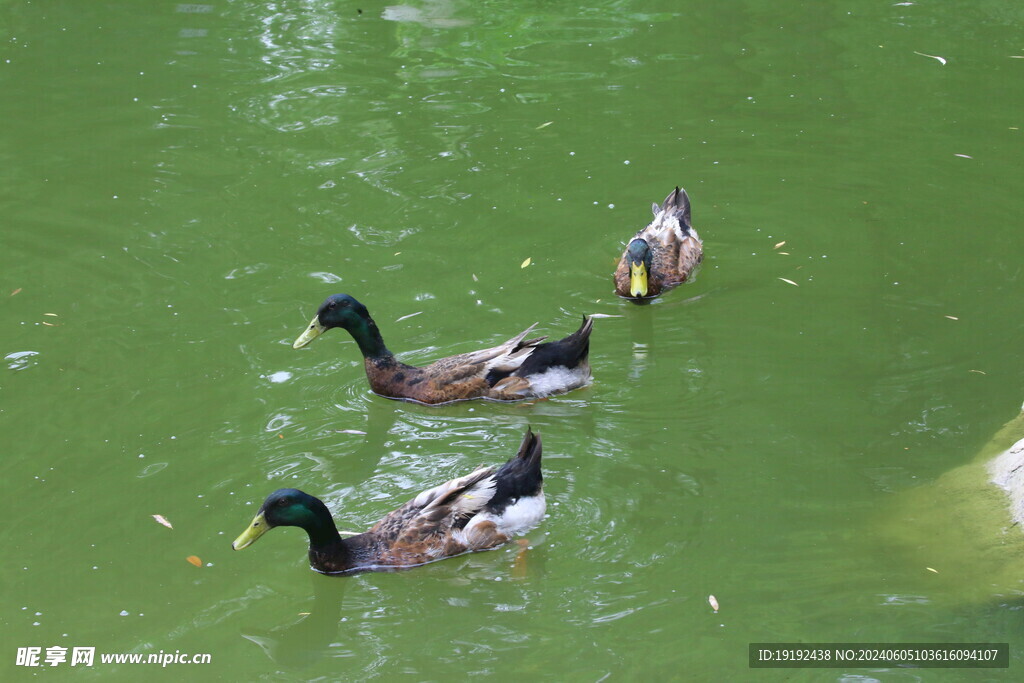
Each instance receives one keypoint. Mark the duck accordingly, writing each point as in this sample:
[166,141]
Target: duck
[662,255]
[478,511]
[515,370]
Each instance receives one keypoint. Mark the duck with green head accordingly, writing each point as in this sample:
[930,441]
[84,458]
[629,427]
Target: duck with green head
[479,511]
[514,370]
[663,254]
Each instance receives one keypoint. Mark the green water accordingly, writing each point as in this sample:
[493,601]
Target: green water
[181,185]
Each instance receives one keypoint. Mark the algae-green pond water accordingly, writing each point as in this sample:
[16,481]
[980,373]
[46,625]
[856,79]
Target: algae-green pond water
[182,186]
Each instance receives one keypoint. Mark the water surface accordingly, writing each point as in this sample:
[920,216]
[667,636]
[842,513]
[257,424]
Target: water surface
[183,186]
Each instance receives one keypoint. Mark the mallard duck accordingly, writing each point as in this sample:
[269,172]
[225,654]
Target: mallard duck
[663,254]
[511,371]
[479,511]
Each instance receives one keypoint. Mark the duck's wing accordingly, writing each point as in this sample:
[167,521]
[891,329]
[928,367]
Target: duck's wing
[689,255]
[425,528]
[500,360]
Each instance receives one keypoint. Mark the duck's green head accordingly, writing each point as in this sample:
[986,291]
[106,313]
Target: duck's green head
[639,255]
[284,507]
[339,310]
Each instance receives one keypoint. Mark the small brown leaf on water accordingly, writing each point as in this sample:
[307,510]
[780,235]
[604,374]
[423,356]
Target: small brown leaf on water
[163,520]
[16,291]
[193,560]
[713,601]
[782,243]
[789,282]
[527,262]
[280,436]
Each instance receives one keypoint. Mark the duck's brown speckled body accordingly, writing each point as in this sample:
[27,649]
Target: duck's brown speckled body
[662,255]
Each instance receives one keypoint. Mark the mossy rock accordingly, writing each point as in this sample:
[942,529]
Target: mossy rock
[967,527]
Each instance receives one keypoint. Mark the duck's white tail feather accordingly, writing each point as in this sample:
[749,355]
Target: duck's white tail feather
[521,516]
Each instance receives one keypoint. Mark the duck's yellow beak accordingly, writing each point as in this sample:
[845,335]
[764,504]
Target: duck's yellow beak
[314,330]
[637,279]
[249,536]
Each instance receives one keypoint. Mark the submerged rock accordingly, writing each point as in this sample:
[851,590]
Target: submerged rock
[964,532]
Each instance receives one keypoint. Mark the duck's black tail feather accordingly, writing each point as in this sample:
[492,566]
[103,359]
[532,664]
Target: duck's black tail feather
[570,352]
[521,475]
[530,450]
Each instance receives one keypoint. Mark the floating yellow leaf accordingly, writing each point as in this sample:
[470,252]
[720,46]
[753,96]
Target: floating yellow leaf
[163,520]
[789,282]
[193,560]
[934,571]
[784,253]
[779,244]
[952,317]
[713,601]
[304,614]
[16,291]
[527,262]
[280,436]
